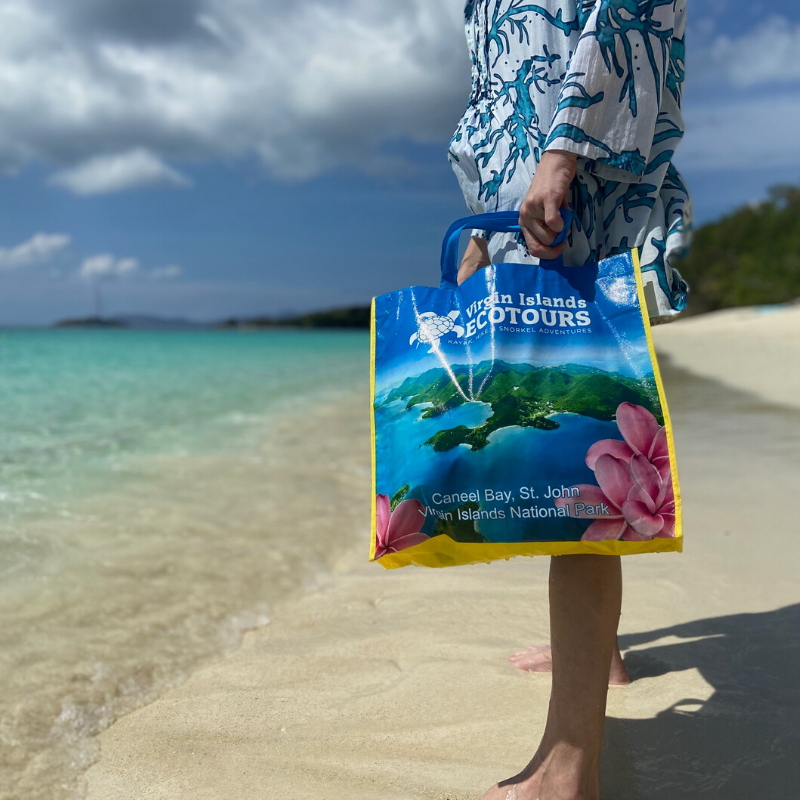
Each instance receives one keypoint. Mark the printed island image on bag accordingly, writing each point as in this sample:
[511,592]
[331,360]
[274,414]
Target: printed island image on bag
[520,413]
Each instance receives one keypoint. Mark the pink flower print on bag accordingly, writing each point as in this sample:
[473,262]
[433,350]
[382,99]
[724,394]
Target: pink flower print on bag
[398,529]
[634,500]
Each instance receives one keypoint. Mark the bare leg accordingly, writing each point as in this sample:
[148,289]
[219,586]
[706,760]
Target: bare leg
[539,658]
[585,601]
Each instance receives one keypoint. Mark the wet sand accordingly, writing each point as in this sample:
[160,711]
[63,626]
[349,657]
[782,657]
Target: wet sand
[394,684]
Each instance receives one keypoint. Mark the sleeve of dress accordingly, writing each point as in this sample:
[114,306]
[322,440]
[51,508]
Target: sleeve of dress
[612,91]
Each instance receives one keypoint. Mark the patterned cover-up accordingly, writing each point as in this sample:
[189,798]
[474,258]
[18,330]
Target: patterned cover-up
[600,78]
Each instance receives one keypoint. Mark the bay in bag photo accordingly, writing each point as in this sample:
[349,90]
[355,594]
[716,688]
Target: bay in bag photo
[520,413]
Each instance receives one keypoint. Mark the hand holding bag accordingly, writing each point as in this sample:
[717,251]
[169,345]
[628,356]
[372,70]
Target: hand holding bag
[521,413]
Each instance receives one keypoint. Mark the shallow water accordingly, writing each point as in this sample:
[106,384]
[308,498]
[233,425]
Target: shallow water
[76,404]
[160,492]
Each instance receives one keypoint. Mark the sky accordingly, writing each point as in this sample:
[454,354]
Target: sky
[213,158]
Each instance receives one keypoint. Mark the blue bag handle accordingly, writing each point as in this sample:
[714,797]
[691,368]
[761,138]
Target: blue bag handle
[501,221]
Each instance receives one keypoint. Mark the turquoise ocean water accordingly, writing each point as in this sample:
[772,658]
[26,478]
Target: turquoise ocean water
[74,404]
[159,491]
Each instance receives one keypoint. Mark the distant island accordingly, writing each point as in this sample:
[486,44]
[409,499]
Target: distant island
[133,322]
[89,322]
[522,395]
[352,317]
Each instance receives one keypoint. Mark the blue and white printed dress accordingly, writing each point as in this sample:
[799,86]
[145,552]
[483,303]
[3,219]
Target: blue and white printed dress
[600,78]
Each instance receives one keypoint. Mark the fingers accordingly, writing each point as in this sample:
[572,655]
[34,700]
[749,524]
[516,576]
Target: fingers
[540,215]
[552,214]
[539,250]
[541,221]
[540,230]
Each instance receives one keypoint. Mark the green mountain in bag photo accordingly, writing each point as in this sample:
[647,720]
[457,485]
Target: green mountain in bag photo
[521,395]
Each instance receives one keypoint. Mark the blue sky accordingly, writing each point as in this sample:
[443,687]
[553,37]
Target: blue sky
[207,158]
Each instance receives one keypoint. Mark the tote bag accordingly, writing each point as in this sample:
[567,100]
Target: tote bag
[520,413]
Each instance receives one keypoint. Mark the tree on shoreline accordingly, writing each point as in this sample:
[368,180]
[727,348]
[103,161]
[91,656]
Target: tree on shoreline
[748,257]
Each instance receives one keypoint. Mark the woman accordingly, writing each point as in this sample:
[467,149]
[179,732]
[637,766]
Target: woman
[576,102]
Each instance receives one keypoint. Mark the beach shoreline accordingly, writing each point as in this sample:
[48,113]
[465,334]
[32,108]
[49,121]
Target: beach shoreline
[115,591]
[394,684]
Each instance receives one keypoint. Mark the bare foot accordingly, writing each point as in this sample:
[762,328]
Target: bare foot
[523,786]
[562,775]
[538,658]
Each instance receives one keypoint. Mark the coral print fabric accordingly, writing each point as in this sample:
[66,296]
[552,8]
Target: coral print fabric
[600,78]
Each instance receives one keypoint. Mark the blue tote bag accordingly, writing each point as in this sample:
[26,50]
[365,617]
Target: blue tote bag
[520,413]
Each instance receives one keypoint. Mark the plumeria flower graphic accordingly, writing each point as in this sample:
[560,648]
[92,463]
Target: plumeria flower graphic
[398,529]
[635,482]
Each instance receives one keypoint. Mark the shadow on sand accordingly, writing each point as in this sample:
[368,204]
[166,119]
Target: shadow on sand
[741,744]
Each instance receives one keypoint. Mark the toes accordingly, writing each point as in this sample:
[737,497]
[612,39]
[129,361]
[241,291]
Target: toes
[534,649]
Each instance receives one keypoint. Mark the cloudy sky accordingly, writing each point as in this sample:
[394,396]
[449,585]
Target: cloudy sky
[205,158]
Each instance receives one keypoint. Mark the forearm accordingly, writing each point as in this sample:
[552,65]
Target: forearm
[476,256]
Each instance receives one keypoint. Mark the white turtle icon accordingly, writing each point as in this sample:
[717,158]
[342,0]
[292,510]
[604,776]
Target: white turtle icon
[431,327]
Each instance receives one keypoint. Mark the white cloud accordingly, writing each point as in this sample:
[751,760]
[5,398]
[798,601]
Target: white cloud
[745,133]
[126,265]
[107,266]
[307,85]
[114,173]
[117,93]
[166,273]
[765,56]
[40,248]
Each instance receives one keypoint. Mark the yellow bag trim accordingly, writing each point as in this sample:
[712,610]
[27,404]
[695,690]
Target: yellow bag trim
[373,436]
[442,551]
[673,464]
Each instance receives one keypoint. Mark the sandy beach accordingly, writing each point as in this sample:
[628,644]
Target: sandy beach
[374,685]
[752,349]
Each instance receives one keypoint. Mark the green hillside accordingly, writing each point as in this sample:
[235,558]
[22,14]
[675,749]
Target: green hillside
[521,395]
[749,257]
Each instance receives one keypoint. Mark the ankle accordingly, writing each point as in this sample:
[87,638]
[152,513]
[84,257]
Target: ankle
[570,772]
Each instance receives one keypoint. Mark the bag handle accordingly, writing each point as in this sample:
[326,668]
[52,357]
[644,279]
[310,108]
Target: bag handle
[500,221]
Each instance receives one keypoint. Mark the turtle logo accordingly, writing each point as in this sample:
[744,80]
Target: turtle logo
[431,328]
